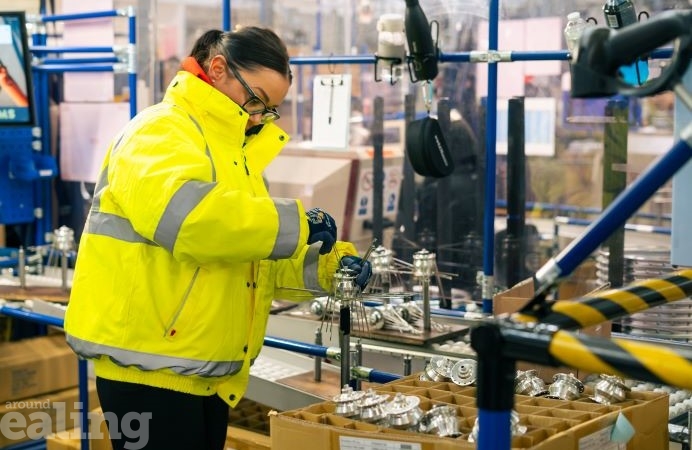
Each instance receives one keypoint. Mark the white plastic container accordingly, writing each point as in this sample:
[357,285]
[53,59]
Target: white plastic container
[391,40]
[573,30]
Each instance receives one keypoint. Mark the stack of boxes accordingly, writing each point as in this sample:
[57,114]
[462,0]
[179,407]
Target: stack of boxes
[547,423]
[38,392]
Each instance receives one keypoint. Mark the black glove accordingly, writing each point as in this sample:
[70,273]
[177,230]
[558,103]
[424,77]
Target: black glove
[322,228]
[362,269]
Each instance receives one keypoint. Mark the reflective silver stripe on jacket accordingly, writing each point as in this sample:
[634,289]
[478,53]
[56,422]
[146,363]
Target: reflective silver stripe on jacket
[111,225]
[181,204]
[101,184]
[207,151]
[150,361]
[289,228]
[117,227]
[310,264]
[179,207]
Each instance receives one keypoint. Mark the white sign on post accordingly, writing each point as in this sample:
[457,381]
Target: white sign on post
[331,111]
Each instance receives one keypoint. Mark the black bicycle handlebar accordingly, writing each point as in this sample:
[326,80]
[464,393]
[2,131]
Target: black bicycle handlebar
[627,44]
[603,50]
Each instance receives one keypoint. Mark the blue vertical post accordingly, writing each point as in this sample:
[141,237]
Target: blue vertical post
[84,399]
[318,28]
[490,138]
[300,100]
[494,388]
[42,195]
[132,72]
[226,6]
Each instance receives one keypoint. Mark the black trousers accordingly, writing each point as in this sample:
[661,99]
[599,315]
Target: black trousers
[144,417]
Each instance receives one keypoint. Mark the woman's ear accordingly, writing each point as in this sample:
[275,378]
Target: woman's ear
[217,68]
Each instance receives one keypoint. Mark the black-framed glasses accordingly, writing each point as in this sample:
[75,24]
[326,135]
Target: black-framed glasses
[255,105]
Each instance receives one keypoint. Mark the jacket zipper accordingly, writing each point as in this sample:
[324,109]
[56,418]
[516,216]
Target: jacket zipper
[181,305]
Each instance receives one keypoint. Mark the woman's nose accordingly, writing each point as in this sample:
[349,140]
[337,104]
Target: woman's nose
[255,119]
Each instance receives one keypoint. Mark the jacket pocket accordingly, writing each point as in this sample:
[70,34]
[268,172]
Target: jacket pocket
[176,320]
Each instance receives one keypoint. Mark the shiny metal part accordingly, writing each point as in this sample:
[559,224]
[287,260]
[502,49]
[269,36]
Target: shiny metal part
[381,260]
[318,307]
[438,369]
[375,319]
[463,372]
[527,382]
[441,420]
[21,267]
[373,407]
[63,243]
[565,387]
[423,264]
[345,287]
[394,321]
[610,389]
[404,412]
[423,268]
[64,239]
[516,427]
[410,311]
[347,402]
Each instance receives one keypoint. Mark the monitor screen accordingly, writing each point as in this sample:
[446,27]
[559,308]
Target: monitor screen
[16,107]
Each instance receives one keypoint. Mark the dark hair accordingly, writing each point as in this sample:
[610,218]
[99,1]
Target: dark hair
[247,48]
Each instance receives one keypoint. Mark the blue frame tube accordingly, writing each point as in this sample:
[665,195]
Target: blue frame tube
[82,370]
[559,55]
[31,316]
[502,203]
[566,209]
[105,59]
[132,72]
[42,195]
[540,56]
[318,28]
[620,210]
[300,102]
[79,16]
[490,161]
[628,226]
[304,348]
[75,68]
[226,15]
[377,376]
[312,60]
[494,429]
[50,49]
[296,346]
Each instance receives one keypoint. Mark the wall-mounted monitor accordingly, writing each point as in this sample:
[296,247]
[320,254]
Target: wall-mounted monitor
[16,92]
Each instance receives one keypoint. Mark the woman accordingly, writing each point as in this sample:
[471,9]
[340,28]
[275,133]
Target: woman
[183,248]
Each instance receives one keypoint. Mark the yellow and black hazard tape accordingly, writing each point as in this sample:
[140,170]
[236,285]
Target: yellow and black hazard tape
[615,303]
[628,359]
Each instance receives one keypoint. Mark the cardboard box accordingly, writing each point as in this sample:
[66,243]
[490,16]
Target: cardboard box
[241,439]
[72,440]
[37,417]
[251,416]
[34,366]
[551,424]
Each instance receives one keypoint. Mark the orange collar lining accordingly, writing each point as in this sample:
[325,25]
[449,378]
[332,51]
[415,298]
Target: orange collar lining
[191,65]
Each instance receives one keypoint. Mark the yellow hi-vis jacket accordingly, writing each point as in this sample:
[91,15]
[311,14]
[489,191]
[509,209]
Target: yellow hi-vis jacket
[183,248]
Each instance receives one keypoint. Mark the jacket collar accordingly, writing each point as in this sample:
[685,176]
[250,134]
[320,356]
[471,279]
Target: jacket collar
[221,115]
[208,105]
